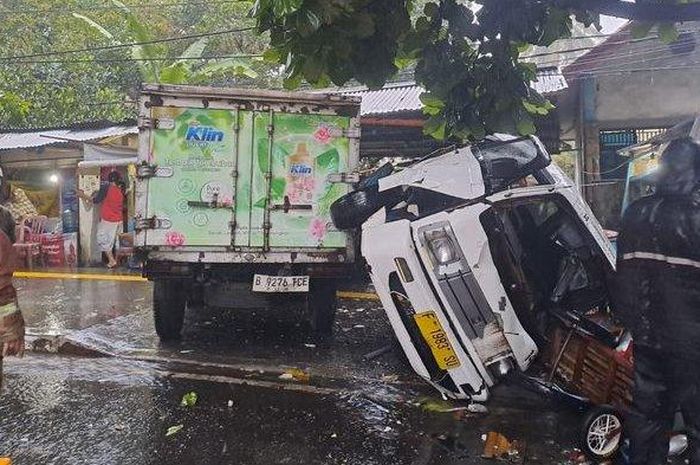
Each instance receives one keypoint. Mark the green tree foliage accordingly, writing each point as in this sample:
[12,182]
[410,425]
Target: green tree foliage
[466,54]
[189,67]
[51,89]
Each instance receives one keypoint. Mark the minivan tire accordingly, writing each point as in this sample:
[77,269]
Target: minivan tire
[169,304]
[322,304]
[354,208]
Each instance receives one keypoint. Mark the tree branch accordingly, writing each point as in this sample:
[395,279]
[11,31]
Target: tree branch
[657,12]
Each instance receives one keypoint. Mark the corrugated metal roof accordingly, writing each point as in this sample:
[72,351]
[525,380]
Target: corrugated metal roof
[401,97]
[390,99]
[40,138]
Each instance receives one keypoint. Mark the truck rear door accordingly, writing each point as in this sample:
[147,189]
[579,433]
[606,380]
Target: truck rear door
[190,194]
[297,173]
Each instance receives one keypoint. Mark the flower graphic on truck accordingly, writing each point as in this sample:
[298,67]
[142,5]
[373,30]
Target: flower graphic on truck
[175,239]
[324,134]
[317,229]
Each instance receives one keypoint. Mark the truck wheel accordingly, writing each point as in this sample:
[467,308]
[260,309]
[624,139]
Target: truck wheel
[322,305]
[169,303]
[601,433]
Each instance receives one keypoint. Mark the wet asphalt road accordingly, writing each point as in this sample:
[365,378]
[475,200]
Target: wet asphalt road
[117,409]
[58,410]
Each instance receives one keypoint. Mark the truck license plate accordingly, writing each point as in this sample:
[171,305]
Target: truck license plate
[265,283]
[436,338]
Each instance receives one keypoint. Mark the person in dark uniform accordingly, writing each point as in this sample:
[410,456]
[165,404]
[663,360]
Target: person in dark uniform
[658,299]
[11,321]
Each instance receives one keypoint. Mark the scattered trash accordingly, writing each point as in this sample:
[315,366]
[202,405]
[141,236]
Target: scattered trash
[390,378]
[334,435]
[186,351]
[359,326]
[498,446]
[439,406]
[477,408]
[174,430]
[295,374]
[310,346]
[387,429]
[359,310]
[230,403]
[189,399]
[376,353]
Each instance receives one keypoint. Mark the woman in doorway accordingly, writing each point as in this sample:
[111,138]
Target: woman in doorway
[111,199]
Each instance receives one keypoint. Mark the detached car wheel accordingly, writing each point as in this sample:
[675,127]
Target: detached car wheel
[169,303]
[322,304]
[601,433]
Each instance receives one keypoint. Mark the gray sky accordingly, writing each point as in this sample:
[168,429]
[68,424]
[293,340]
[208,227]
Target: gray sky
[611,24]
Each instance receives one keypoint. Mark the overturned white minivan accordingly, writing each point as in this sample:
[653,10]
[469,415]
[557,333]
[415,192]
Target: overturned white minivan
[472,251]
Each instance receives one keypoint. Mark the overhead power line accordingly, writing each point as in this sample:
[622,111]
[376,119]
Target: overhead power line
[140,6]
[126,60]
[130,44]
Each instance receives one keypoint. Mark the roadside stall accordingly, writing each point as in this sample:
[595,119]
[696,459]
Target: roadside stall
[40,168]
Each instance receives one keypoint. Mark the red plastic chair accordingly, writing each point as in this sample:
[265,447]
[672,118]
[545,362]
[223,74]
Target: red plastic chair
[28,244]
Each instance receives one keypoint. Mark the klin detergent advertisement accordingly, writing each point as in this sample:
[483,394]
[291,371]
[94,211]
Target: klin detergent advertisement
[274,171]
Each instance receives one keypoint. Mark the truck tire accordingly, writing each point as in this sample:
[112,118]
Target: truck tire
[169,303]
[322,304]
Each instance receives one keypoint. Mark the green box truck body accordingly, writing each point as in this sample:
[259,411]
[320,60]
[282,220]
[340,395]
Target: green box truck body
[234,188]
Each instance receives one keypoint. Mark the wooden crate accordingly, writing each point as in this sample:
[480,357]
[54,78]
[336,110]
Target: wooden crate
[591,369]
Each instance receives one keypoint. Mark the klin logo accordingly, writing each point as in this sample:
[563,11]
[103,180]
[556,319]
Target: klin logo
[204,134]
[300,170]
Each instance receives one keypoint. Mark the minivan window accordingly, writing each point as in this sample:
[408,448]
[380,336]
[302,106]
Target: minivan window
[504,162]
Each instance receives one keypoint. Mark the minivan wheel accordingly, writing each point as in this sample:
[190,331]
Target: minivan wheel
[322,304]
[169,303]
[601,433]
[354,208]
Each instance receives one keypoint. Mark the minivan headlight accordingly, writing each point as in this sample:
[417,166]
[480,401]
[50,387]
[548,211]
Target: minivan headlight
[442,246]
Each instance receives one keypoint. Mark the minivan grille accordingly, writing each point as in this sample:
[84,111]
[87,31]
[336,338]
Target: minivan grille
[467,300]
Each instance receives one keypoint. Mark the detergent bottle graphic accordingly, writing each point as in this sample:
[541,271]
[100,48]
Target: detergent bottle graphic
[300,177]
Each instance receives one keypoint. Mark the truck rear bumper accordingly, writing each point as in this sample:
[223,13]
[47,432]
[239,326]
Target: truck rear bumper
[213,255]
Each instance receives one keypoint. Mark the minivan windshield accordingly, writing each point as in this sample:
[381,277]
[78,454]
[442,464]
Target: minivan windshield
[506,161]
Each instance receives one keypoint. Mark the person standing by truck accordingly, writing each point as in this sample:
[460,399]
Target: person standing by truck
[659,300]
[111,199]
[11,321]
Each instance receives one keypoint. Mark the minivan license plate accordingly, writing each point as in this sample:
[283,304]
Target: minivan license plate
[265,283]
[436,338]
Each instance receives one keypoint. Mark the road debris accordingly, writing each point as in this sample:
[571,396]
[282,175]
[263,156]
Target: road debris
[377,353]
[174,430]
[295,374]
[189,399]
[497,446]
